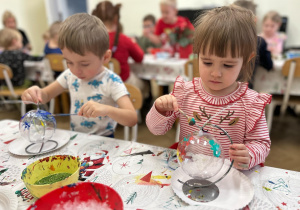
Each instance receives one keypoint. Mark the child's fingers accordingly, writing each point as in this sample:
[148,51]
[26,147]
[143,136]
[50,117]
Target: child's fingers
[243,153]
[239,159]
[238,147]
[175,104]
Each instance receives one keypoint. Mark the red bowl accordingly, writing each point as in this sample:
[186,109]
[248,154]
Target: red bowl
[83,195]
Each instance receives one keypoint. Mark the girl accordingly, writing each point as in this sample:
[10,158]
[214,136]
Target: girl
[226,58]
[275,40]
[122,47]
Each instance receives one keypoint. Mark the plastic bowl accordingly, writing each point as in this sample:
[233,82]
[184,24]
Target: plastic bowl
[46,167]
[83,195]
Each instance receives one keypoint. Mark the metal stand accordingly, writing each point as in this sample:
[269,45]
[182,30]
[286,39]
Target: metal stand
[40,150]
[194,191]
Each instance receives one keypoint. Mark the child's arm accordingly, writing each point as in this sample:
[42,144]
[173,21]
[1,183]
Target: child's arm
[135,51]
[125,114]
[256,147]
[31,58]
[36,94]
[161,117]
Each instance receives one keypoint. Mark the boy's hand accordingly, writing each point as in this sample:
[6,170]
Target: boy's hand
[239,153]
[92,109]
[33,94]
[166,103]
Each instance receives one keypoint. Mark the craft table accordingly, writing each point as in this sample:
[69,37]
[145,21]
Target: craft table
[125,163]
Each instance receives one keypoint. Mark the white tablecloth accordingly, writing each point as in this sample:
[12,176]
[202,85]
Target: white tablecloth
[273,81]
[164,70]
[274,188]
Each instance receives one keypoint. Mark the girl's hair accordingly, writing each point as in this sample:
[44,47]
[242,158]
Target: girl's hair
[274,16]
[7,35]
[6,15]
[107,12]
[228,28]
[81,33]
[54,29]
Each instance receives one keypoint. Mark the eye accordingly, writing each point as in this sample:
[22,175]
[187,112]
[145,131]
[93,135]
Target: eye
[207,63]
[228,66]
[85,64]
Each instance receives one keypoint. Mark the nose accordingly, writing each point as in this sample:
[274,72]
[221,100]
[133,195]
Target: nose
[216,72]
[77,70]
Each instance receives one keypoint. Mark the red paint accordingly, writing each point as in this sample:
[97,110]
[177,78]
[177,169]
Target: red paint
[284,204]
[52,168]
[7,142]
[75,144]
[147,177]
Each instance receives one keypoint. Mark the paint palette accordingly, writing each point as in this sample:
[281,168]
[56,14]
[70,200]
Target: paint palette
[47,167]
[83,195]
[37,126]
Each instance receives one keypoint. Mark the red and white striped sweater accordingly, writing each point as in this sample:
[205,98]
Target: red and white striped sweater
[245,119]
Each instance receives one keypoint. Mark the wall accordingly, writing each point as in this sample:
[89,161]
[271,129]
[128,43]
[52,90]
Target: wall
[31,17]
[133,11]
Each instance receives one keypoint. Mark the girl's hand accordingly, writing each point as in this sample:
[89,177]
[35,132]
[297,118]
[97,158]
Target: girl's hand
[92,109]
[166,103]
[33,94]
[239,153]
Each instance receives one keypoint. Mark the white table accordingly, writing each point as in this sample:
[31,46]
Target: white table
[273,187]
[163,70]
[273,81]
[36,70]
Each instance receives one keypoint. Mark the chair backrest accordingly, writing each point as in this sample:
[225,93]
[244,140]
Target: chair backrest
[57,62]
[290,69]
[136,96]
[191,68]
[114,65]
[6,74]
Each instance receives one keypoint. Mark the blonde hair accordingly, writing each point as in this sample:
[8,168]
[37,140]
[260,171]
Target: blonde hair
[274,16]
[54,29]
[82,32]
[172,3]
[7,35]
[6,15]
[228,28]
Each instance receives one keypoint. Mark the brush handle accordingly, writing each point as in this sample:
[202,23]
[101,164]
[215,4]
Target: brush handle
[61,114]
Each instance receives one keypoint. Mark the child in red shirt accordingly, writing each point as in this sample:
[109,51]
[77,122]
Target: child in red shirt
[168,22]
[122,46]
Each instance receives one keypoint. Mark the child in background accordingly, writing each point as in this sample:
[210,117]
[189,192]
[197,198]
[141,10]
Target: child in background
[169,21]
[275,40]
[52,45]
[221,96]
[9,21]
[96,92]
[11,41]
[148,28]
[122,47]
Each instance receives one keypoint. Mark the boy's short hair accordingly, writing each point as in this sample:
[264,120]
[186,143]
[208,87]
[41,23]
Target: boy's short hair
[226,28]
[7,35]
[54,29]
[149,18]
[82,32]
[172,3]
[274,16]
[6,15]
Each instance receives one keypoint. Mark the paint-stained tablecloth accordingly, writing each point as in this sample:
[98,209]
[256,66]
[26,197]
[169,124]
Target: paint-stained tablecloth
[123,164]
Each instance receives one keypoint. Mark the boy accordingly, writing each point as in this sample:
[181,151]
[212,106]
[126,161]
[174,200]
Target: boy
[11,41]
[94,90]
[148,28]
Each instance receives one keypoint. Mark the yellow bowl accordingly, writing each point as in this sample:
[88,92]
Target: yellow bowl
[48,166]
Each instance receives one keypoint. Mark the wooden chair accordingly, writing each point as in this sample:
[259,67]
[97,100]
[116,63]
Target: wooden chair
[290,69]
[191,68]
[114,65]
[6,74]
[136,98]
[56,62]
